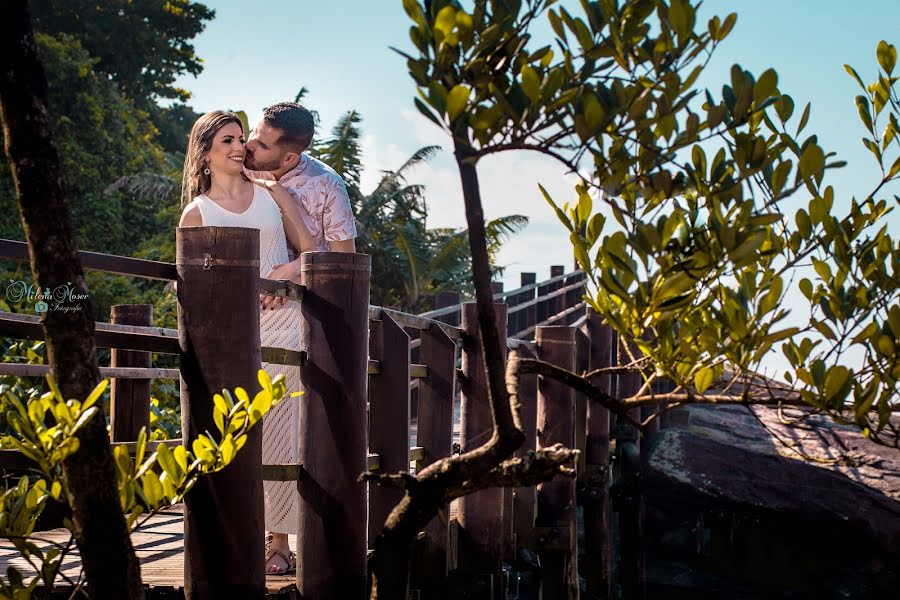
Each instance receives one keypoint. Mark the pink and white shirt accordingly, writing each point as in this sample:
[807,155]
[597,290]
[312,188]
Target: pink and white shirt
[323,195]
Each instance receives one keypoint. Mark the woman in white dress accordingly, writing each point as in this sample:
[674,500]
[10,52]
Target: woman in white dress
[215,191]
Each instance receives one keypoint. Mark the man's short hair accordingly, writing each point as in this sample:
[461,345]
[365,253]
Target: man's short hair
[295,123]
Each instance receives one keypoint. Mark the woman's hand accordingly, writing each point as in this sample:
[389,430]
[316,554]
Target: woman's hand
[287,271]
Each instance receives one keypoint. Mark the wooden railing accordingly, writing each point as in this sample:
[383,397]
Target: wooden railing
[416,370]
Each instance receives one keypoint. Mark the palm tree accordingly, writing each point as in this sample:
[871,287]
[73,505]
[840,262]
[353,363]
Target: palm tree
[410,263]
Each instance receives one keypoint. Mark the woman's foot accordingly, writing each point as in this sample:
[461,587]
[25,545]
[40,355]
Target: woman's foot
[279,558]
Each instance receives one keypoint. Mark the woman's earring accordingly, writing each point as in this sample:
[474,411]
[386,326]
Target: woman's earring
[206,171]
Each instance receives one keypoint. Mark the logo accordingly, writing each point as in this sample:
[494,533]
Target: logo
[63,298]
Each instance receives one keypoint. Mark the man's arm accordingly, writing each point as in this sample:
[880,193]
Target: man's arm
[343,245]
[339,222]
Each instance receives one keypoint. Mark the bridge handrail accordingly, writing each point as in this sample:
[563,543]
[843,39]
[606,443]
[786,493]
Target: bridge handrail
[449,310]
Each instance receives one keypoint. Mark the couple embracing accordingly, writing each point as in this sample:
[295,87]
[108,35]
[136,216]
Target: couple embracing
[269,183]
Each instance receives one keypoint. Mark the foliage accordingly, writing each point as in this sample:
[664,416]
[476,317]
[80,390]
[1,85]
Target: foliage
[143,46]
[45,430]
[410,262]
[101,136]
[719,202]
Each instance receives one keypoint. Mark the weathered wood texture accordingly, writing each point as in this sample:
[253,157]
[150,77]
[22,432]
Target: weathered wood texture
[159,544]
[556,498]
[598,548]
[388,414]
[525,499]
[628,502]
[335,327]
[218,308]
[481,513]
[434,435]
[130,398]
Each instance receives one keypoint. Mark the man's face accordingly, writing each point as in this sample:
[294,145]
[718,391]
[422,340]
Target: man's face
[263,151]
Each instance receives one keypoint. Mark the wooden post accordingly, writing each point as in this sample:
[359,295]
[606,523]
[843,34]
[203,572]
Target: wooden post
[388,414]
[582,365]
[527,317]
[331,539]
[556,305]
[596,477]
[628,501]
[481,513]
[525,499]
[445,299]
[223,513]
[130,398]
[434,433]
[556,498]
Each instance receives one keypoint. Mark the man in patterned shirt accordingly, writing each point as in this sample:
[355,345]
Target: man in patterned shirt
[276,151]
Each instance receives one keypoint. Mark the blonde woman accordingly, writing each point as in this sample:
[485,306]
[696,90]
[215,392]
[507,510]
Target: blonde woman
[216,192]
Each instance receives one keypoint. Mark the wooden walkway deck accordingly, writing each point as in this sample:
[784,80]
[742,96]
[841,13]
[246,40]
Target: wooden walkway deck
[159,544]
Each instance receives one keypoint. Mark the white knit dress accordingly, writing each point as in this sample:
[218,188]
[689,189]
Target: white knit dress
[279,328]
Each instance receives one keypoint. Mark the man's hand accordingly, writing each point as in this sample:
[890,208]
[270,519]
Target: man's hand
[287,271]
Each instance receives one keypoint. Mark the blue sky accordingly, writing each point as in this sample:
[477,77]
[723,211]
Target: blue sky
[258,53]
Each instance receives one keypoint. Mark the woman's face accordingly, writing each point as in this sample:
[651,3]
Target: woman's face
[226,155]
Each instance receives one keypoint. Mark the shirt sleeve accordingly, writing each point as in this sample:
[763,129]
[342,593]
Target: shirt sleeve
[338,221]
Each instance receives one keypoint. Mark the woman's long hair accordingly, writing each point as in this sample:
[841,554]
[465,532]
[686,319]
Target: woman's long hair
[195,181]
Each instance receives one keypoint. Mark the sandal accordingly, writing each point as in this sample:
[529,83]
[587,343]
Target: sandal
[290,560]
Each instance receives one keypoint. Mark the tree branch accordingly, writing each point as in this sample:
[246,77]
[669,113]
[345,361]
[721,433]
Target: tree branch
[580,384]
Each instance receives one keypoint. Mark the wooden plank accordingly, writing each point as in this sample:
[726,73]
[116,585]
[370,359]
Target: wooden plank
[628,503]
[332,527]
[413,321]
[130,398]
[217,561]
[582,365]
[21,370]
[107,336]
[556,498]
[598,541]
[560,296]
[481,513]
[95,261]
[434,437]
[526,333]
[525,499]
[159,545]
[388,415]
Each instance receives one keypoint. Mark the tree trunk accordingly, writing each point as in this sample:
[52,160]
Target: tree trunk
[110,563]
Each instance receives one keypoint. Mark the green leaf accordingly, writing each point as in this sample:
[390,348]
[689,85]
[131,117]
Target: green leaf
[779,176]
[704,378]
[887,56]
[855,76]
[95,394]
[595,227]
[445,20]
[806,288]
[531,83]
[726,27]
[427,112]
[765,86]
[812,161]
[862,106]
[457,99]
[804,118]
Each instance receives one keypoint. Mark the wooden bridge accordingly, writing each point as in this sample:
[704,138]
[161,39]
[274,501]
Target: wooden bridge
[384,390]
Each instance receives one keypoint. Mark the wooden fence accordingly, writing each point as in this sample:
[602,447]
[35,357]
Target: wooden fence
[382,391]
